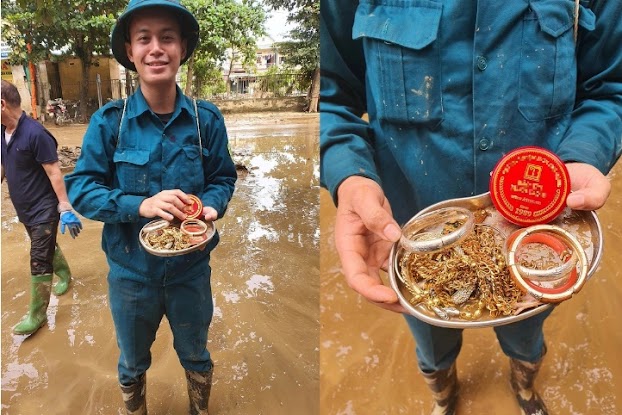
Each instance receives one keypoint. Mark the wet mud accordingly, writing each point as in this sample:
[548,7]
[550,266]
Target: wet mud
[265,282]
[367,355]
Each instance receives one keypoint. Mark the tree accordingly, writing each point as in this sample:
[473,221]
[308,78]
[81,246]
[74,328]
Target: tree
[78,28]
[225,25]
[304,48]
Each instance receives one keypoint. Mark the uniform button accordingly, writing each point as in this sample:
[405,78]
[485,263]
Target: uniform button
[482,63]
[484,144]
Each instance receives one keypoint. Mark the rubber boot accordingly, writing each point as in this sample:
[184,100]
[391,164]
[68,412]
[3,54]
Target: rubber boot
[522,376]
[40,289]
[61,269]
[444,387]
[134,397]
[199,388]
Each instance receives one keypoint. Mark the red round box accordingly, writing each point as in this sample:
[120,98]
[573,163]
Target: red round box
[194,209]
[529,186]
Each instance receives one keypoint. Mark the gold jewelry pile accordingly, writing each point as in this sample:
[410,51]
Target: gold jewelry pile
[168,238]
[463,280]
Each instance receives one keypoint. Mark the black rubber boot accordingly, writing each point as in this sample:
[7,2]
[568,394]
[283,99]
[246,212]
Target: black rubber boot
[199,388]
[444,387]
[522,376]
[134,397]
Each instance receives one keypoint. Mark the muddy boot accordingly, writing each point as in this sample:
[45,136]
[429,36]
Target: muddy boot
[522,375]
[40,288]
[61,268]
[134,397]
[444,387]
[199,388]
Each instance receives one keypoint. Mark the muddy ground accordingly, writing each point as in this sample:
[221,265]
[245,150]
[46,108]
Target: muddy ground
[367,359]
[265,280]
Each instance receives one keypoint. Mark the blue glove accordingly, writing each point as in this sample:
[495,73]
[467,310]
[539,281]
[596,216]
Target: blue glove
[70,220]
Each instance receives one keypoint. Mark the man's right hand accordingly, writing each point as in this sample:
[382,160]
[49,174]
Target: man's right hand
[364,233]
[168,204]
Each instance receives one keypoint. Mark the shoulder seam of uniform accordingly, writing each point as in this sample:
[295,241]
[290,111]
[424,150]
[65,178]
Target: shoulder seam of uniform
[209,106]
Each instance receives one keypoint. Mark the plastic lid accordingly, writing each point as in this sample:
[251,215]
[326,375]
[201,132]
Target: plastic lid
[529,186]
[194,209]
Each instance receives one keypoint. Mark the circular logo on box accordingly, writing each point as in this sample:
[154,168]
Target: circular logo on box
[529,186]
[194,209]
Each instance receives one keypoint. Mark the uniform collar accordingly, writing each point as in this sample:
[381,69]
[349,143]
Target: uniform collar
[137,105]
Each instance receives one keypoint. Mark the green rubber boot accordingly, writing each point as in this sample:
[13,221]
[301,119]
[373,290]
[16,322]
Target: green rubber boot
[61,269]
[40,288]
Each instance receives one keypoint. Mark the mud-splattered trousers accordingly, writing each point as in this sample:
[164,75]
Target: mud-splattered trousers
[116,171]
[450,87]
[42,246]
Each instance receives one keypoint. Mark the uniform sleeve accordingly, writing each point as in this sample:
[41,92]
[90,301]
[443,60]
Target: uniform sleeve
[218,167]
[346,147]
[90,186]
[595,132]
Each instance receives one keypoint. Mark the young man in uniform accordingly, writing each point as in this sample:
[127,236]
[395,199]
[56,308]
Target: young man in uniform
[449,88]
[140,160]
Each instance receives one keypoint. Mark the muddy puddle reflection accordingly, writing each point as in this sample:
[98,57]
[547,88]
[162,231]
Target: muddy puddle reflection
[265,282]
[367,360]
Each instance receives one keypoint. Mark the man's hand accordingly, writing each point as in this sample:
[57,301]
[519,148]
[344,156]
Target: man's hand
[590,188]
[364,233]
[209,213]
[168,204]
[70,220]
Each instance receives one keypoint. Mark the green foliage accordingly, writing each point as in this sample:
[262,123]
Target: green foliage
[79,28]
[225,24]
[303,50]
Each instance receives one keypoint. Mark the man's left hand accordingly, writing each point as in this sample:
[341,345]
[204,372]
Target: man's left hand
[210,213]
[590,188]
[70,220]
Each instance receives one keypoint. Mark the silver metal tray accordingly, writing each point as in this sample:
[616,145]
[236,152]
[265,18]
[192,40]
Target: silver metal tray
[584,225]
[211,231]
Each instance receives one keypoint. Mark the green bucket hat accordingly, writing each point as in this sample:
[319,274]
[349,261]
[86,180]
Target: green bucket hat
[189,27]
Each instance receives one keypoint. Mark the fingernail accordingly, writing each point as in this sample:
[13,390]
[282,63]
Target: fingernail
[392,232]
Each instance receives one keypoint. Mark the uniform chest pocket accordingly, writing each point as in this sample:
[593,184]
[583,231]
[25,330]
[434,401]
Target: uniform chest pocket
[402,55]
[132,170]
[547,81]
[192,168]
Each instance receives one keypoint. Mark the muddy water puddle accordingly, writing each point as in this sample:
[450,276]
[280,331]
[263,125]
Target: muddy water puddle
[367,355]
[265,283]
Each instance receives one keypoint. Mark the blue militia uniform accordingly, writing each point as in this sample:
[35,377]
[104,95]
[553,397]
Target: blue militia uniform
[116,171]
[449,88]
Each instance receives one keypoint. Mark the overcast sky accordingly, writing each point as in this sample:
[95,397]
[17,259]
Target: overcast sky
[276,25]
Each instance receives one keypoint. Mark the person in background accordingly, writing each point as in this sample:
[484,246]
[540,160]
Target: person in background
[36,187]
[450,87]
[141,159]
